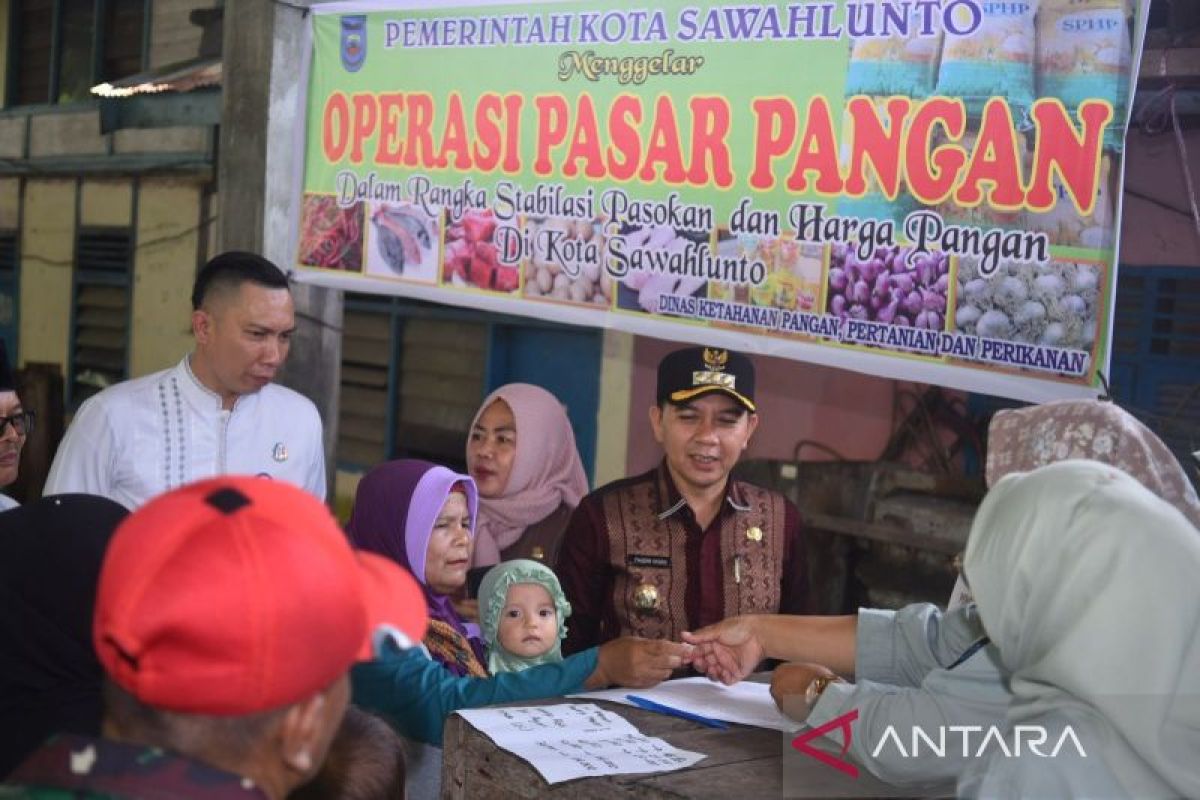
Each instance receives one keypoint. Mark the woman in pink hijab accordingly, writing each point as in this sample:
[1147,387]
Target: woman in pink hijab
[521,453]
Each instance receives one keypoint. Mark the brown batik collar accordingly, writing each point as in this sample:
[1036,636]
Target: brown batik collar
[671,501]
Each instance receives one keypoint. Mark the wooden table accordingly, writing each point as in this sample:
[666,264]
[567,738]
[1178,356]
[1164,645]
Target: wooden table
[742,763]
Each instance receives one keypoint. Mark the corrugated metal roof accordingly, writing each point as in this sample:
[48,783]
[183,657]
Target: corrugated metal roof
[182,77]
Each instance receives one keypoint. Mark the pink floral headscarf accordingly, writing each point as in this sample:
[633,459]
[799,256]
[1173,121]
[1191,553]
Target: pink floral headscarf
[1024,439]
[546,470]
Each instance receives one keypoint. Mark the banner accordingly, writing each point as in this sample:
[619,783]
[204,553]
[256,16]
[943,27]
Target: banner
[918,189]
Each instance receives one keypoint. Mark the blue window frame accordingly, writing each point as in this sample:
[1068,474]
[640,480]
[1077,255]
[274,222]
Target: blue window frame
[1156,354]
[414,373]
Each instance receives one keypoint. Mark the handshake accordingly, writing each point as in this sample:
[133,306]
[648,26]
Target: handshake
[727,651]
[730,650]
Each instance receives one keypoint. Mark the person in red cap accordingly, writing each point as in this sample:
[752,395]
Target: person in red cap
[227,617]
[684,545]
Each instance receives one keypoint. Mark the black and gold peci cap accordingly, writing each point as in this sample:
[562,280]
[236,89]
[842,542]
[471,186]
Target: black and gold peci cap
[694,371]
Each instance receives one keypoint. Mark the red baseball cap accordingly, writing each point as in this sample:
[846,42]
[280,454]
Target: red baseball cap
[237,595]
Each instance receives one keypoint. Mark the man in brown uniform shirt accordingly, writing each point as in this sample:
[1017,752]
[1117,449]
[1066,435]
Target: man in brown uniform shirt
[683,545]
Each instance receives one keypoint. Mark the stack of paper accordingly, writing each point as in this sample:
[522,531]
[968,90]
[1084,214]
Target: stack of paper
[746,703]
[577,740]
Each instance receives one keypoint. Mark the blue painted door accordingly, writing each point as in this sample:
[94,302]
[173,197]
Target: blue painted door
[561,359]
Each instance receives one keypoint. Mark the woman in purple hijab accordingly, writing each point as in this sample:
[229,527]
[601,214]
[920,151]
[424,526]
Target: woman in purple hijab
[421,516]
[396,514]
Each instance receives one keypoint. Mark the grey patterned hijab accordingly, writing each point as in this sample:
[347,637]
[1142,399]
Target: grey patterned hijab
[1021,440]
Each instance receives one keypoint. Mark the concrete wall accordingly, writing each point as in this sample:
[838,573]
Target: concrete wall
[166,214]
[10,203]
[47,253]
[4,14]
[164,268]
[613,418]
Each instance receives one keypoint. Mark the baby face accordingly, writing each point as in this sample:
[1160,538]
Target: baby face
[528,624]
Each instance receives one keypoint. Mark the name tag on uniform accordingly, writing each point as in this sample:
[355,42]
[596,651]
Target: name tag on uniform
[662,562]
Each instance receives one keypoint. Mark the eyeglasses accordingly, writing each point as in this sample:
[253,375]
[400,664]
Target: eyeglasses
[22,423]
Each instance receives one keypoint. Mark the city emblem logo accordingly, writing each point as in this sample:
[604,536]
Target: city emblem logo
[354,41]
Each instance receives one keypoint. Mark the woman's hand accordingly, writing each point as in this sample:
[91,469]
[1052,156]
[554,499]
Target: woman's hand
[727,651]
[637,663]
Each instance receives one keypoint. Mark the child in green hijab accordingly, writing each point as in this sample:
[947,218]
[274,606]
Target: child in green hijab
[523,614]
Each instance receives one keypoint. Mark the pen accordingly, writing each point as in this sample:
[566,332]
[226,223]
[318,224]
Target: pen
[650,705]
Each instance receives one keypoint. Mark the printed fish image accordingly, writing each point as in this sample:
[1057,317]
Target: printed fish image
[402,234]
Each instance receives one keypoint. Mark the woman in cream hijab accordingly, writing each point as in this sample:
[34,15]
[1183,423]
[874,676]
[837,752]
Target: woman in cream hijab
[1087,583]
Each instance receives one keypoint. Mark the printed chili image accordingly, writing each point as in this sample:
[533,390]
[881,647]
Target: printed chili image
[331,237]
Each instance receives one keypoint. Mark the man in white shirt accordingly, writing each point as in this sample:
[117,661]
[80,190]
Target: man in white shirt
[215,412]
[15,425]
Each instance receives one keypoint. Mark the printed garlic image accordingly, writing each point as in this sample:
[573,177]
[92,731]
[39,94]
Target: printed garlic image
[1053,304]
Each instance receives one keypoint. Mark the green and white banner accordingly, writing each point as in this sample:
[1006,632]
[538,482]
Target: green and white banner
[918,189]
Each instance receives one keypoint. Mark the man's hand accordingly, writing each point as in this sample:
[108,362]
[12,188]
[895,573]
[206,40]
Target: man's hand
[727,651]
[637,663]
[789,685]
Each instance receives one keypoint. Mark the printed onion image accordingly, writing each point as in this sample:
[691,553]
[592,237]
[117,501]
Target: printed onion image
[885,288]
[331,237]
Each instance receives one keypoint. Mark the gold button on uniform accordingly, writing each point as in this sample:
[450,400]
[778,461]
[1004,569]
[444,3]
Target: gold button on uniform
[645,597]
[754,534]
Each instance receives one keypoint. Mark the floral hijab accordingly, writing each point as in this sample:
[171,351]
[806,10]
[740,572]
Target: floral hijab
[395,507]
[1024,439]
[493,596]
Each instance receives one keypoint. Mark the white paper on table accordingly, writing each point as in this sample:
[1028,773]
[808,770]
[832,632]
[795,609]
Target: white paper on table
[746,702]
[577,740]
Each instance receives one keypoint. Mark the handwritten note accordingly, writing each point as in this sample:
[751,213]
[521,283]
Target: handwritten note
[577,740]
[746,703]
